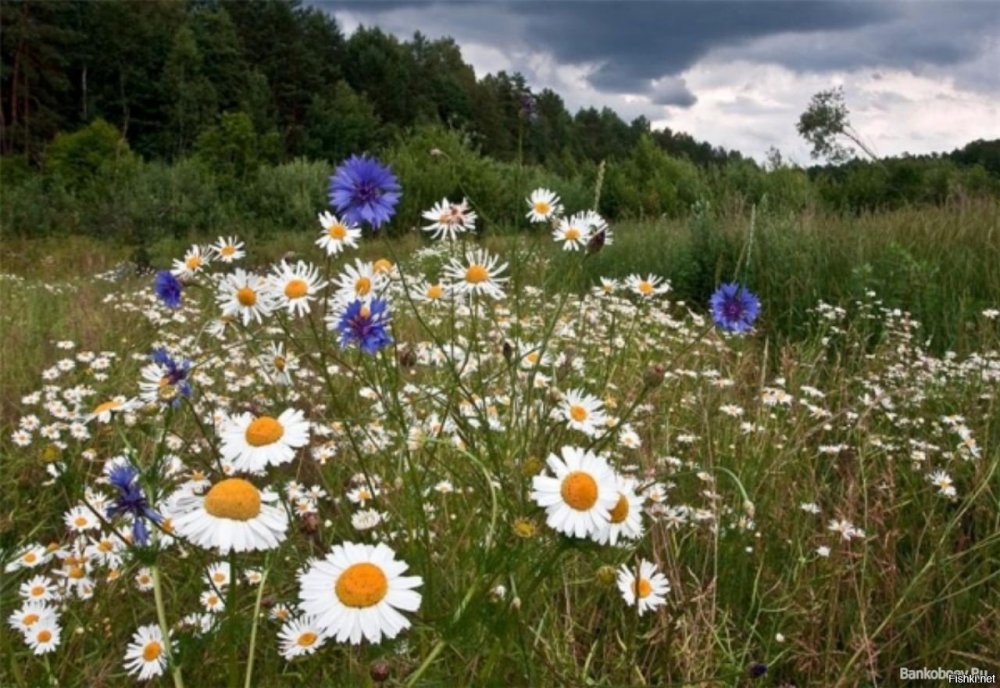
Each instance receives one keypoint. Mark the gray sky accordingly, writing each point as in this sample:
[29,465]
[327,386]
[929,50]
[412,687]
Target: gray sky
[919,76]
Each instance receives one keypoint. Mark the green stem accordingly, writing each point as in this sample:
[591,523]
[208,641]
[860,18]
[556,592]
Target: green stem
[234,660]
[256,617]
[161,615]
[426,663]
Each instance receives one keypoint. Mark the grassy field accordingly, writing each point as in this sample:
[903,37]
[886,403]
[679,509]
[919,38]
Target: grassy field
[822,494]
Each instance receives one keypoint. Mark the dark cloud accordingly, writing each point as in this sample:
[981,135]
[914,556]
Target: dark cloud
[641,47]
[671,90]
[637,42]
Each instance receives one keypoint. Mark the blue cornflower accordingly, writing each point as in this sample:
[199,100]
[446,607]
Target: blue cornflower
[365,325]
[364,190]
[131,500]
[168,288]
[168,379]
[734,308]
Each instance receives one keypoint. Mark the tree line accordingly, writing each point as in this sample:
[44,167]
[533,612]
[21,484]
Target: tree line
[237,87]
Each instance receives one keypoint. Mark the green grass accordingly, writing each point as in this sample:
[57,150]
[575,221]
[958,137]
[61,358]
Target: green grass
[920,589]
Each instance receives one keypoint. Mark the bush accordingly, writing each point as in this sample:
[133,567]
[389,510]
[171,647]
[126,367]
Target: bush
[82,157]
[434,163]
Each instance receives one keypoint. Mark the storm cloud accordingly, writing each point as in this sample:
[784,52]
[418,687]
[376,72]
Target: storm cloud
[678,62]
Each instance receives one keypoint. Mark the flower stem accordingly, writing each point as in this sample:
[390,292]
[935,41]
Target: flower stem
[233,619]
[253,631]
[161,615]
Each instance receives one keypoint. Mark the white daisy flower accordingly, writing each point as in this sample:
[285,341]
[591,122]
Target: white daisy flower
[583,412]
[544,205]
[647,590]
[359,282]
[337,234]
[366,519]
[251,443]
[30,557]
[429,292]
[448,219]
[625,519]
[30,615]
[279,365]
[232,516]
[573,232]
[144,579]
[146,656]
[943,482]
[194,260]
[579,498]
[648,286]
[295,288]
[44,635]
[301,637]
[357,590]
[218,574]
[80,519]
[212,602]
[38,589]
[246,296]
[228,249]
[480,274]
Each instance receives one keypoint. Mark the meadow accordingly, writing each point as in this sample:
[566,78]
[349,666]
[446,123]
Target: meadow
[812,500]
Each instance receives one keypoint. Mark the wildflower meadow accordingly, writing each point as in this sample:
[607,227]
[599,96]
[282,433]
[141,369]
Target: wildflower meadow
[462,458]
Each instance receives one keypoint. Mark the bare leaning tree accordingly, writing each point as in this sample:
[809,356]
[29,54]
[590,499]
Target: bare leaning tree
[825,125]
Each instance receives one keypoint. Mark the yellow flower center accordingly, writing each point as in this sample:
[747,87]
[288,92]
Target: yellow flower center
[542,208]
[296,289]
[382,265]
[307,639]
[219,577]
[620,512]
[435,291]
[264,431]
[233,498]
[30,619]
[228,251]
[279,362]
[572,234]
[246,296]
[579,490]
[362,286]
[38,591]
[79,521]
[105,546]
[211,600]
[337,231]
[151,652]
[44,636]
[645,287]
[643,588]
[107,406]
[30,558]
[578,413]
[76,572]
[361,585]
[193,263]
[476,274]
[532,357]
